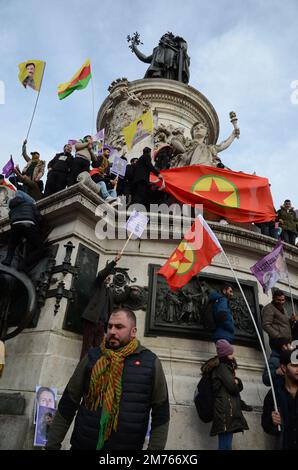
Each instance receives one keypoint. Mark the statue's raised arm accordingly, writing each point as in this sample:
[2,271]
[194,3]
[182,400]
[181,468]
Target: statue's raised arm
[135,41]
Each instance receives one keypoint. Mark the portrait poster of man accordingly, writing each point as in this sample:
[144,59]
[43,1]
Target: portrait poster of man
[119,166]
[138,130]
[44,419]
[31,73]
[45,396]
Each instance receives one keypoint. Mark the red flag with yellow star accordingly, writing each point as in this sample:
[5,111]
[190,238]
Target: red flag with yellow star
[194,253]
[235,196]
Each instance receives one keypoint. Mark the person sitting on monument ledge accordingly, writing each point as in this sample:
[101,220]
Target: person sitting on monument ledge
[99,175]
[200,152]
[98,310]
[28,187]
[33,171]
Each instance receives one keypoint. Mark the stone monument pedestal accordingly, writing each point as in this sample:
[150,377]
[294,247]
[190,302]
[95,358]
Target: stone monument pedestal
[48,354]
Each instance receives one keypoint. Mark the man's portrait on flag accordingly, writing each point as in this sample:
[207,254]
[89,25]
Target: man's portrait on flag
[140,133]
[29,80]
[30,74]
[140,129]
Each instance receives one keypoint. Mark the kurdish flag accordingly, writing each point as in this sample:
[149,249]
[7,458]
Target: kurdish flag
[193,254]
[238,197]
[79,81]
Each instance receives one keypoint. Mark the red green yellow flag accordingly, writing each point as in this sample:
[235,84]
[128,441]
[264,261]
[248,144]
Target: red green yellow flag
[78,82]
[193,254]
[235,196]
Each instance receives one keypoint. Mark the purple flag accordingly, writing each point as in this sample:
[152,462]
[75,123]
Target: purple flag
[271,268]
[8,168]
[72,142]
[100,136]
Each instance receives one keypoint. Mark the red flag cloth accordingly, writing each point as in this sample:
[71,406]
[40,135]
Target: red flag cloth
[194,253]
[235,196]
[8,185]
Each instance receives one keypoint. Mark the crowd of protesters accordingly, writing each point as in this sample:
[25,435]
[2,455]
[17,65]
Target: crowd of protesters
[63,171]
[228,418]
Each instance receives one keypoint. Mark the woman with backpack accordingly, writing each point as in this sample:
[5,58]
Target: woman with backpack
[227,415]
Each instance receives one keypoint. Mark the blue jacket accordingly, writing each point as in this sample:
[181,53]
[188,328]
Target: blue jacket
[274,363]
[223,318]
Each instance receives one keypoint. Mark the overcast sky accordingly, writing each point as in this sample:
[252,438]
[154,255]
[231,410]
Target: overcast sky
[243,58]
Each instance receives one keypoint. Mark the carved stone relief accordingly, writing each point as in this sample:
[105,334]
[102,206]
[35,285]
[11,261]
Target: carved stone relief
[187,312]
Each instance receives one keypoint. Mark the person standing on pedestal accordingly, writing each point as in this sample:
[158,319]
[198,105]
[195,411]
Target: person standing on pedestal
[288,221]
[59,171]
[224,322]
[99,308]
[141,179]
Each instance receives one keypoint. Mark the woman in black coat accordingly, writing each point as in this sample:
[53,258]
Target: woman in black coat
[227,417]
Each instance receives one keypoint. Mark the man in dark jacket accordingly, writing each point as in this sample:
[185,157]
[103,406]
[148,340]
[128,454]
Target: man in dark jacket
[141,178]
[25,220]
[113,390]
[59,171]
[98,310]
[287,402]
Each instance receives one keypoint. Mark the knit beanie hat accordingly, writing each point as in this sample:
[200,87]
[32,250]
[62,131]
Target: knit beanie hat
[224,348]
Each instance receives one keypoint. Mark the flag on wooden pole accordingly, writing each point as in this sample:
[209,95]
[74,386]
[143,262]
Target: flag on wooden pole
[193,254]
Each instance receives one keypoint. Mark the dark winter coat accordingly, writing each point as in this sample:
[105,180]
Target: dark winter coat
[223,318]
[227,415]
[288,408]
[142,170]
[20,211]
[101,303]
[61,163]
[289,219]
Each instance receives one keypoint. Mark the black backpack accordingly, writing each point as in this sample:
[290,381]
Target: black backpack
[204,398]
[206,315]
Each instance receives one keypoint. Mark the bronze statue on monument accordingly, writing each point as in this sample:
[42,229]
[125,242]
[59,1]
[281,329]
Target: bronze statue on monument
[168,60]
